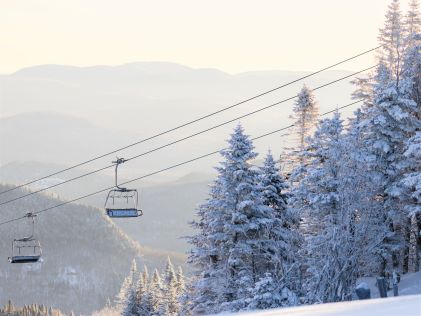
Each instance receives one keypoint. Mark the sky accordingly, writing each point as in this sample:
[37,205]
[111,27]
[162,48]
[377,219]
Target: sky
[230,35]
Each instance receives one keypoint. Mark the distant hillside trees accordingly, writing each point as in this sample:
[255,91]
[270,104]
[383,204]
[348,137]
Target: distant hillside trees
[30,310]
[141,294]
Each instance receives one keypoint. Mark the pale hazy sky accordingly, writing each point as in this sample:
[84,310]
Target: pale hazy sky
[231,35]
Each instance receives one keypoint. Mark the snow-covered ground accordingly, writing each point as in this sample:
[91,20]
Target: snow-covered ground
[407,304]
[410,284]
[394,306]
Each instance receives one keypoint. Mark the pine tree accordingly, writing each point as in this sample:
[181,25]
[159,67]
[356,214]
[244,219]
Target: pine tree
[143,294]
[234,232]
[332,256]
[181,285]
[140,294]
[412,55]
[412,23]
[392,120]
[360,195]
[364,90]
[204,257]
[184,293]
[412,71]
[171,290]
[123,293]
[284,239]
[126,298]
[305,113]
[266,294]
[391,38]
[156,294]
[408,191]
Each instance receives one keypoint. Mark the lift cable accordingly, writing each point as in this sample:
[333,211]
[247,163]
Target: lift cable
[182,139]
[165,169]
[193,121]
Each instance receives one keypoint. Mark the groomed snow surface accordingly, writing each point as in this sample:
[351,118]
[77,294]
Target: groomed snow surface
[394,306]
[409,304]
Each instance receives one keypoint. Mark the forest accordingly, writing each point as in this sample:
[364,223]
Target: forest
[348,206]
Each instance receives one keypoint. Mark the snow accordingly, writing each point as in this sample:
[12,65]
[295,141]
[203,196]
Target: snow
[410,284]
[408,304]
[395,306]
[362,285]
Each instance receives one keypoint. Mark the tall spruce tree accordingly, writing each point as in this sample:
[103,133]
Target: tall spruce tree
[234,233]
[128,295]
[284,236]
[392,120]
[360,190]
[412,71]
[171,291]
[335,245]
[412,23]
[408,191]
[156,294]
[392,37]
[305,113]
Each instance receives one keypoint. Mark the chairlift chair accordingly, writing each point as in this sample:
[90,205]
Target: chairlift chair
[122,202]
[26,249]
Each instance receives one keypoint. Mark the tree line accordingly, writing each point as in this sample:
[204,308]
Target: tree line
[349,205]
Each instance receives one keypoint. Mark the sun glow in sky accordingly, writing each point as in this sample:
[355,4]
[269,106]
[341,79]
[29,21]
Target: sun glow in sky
[231,35]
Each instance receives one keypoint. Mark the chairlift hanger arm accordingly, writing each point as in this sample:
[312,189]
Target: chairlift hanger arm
[117,162]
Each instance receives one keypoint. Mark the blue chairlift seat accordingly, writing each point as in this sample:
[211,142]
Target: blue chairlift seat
[25,250]
[24,259]
[123,212]
[122,203]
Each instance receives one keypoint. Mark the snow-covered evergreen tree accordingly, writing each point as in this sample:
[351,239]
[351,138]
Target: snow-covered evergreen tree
[127,296]
[408,191]
[142,305]
[266,293]
[284,239]
[171,292]
[235,233]
[392,37]
[123,293]
[305,113]
[392,120]
[412,23]
[156,294]
[412,70]
[205,294]
[360,190]
[364,89]
[181,283]
[334,244]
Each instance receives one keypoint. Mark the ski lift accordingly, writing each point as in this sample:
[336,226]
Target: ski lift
[27,249]
[122,202]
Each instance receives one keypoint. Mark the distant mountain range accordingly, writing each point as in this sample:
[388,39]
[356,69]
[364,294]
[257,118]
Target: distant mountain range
[85,255]
[97,109]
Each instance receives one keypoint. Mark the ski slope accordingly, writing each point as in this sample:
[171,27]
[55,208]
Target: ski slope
[395,306]
[408,304]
